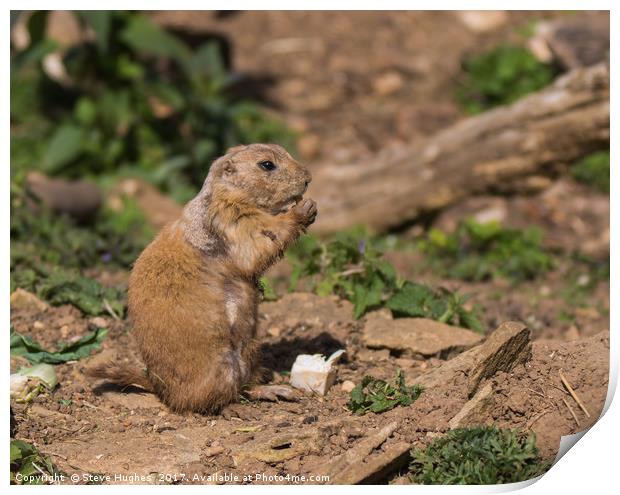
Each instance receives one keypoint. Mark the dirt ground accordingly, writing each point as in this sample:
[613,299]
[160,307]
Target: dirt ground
[350,83]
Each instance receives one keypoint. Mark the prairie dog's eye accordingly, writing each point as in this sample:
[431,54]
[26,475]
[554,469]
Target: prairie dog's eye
[267,165]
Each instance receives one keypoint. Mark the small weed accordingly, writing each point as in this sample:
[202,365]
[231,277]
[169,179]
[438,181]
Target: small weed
[351,265]
[25,347]
[417,300]
[267,290]
[479,455]
[593,170]
[29,464]
[501,76]
[114,239]
[478,252]
[373,395]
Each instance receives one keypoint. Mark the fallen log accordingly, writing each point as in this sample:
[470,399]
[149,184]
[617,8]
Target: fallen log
[532,137]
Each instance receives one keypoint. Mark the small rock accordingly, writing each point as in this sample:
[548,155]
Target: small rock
[388,83]
[496,213]
[419,336]
[98,322]
[274,331]
[508,346]
[347,386]
[26,301]
[475,410]
[572,42]
[310,419]
[213,451]
[545,291]
[373,355]
[482,21]
[505,348]
[38,325]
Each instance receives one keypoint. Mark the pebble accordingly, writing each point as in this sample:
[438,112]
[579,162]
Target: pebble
[213,451]
[347,386]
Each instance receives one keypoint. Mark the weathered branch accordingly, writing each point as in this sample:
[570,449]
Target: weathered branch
[530,137]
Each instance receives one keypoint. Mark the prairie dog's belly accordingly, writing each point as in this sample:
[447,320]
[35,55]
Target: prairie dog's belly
[241,302]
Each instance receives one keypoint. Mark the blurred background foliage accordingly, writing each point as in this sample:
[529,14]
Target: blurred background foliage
[130,96]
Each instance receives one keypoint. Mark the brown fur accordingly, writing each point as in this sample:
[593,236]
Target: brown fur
[193,291]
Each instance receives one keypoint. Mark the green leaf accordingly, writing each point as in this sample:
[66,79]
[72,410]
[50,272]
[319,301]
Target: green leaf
[147,38]
[374,395]
[207,61]
[269,293]
[26,347]
[100,21]
[65,287]
[24,457]
[37,26]
[65,146]
[365,298]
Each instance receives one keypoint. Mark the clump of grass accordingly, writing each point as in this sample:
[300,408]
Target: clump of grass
[479,455]
[501,76]
[374,395]
[114,239]
[593,170]
[49,251]
[476,252]
[352,266]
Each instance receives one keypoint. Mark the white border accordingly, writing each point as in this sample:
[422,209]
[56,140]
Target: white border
[591,466]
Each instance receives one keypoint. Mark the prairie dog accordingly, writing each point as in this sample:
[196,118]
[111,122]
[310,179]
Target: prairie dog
[193,292]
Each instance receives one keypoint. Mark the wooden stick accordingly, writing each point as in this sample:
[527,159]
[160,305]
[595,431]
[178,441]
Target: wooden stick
[573,394]
[496,150]
[571,410]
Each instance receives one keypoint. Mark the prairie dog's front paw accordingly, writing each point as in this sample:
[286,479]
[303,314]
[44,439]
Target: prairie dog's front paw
[306,212]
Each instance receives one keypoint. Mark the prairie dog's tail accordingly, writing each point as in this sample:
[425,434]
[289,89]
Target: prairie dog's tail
[121,373]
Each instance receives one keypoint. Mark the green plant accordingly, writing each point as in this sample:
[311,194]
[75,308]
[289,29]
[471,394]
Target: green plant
[26,347]
[593,170]
[58,286]
[114,239]
[132,95]
[417,300]
[478,251]
[374,395]
[583,276]
[501,76]
[351,265]
[267,289]
[48,251]
[28,465]
[478,455]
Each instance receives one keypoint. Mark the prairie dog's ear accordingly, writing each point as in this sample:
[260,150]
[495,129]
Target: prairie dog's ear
[228,167]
